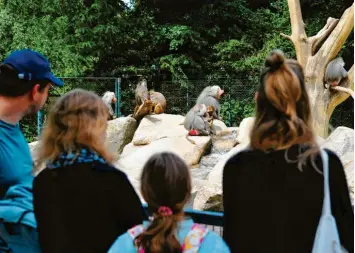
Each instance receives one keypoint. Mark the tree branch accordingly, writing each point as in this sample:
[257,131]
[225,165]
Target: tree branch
[342,89]
[297,24]
[322,34]
[298,34]
[340,97]
[338,36]
[286,36]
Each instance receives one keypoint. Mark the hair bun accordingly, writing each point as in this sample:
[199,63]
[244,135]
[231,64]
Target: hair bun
[275,59]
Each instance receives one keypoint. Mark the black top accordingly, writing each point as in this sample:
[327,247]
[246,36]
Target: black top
[270,206]
[84,207]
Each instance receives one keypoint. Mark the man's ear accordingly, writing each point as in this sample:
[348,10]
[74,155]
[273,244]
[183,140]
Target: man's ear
[34,91]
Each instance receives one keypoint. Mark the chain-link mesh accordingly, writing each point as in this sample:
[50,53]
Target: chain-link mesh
[98,85]
[94,84]
[236,103]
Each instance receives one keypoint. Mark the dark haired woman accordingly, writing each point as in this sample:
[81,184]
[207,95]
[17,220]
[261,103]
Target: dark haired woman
[166,186]
[273,191]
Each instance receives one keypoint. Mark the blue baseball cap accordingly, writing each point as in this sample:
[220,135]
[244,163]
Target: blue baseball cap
[32,65]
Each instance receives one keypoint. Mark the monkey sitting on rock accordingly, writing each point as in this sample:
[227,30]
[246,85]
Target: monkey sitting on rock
[142,99]
[197,122]
[210,96]
[147,102]
[335,72]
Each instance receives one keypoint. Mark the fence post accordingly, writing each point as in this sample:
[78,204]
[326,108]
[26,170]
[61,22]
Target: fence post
[229,110]
[118,97]
[39,122]
[187,99]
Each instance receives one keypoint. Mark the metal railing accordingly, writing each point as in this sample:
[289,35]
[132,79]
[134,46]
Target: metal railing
[213,220]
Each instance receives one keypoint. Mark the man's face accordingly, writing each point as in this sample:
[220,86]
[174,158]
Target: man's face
[37,98]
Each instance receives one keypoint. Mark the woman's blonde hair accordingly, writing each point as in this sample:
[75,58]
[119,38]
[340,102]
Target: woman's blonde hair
[77,120]
[283,115]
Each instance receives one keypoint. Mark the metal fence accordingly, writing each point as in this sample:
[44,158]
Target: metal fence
[99,85]
[237,102]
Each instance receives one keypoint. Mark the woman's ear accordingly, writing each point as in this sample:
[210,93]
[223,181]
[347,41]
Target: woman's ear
[256,96]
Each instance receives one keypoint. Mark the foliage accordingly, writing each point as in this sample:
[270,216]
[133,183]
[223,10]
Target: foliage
[127,99]
[28,129]
[234,111]
[176,41]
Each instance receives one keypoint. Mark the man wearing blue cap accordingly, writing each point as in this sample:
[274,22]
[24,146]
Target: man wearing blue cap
[25,80]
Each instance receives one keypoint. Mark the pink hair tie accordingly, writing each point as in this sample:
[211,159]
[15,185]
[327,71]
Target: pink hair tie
[165,211]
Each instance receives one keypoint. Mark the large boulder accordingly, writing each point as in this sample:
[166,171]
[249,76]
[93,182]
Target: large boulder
[215,176]
[163,132]
[222,144]
[341,141]
[219,125]
[245,128]
[209,196]
[120,132]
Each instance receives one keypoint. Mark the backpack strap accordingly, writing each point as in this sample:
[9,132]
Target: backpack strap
[134,232]
[194,238]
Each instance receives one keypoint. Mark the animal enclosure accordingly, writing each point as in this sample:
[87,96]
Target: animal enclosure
[237,102]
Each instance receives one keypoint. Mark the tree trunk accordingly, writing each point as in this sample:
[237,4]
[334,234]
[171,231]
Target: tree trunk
[319,100]
[323,101]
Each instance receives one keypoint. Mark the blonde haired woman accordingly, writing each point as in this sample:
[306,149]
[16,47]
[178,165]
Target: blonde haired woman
[273,192]
[82,203]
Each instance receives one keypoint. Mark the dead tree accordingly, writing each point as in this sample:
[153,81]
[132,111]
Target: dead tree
[314,56]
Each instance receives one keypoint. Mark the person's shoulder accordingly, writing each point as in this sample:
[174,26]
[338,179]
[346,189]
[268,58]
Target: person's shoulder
[213,243]
[124,244]
[109,168]
[332,155]
[333,159]
[106,171]
[244,154]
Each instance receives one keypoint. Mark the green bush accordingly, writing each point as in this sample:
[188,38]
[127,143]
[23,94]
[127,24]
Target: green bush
[234,111]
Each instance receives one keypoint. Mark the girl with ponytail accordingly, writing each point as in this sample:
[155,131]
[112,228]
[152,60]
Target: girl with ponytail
[166,187]
[273,189]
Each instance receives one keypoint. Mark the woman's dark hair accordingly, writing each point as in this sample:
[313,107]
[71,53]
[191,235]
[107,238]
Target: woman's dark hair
[12,86]
[283,115]
[166,182]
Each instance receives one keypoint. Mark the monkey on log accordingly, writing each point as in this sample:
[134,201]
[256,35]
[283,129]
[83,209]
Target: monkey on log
[335,72]
[210,96]
[109,98]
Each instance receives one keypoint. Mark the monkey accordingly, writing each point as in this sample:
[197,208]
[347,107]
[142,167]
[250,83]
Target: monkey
[142,99]
[211,114]
[196,122]
[109,98]
[335,72]
[158,105]
[210,96]
[148,102]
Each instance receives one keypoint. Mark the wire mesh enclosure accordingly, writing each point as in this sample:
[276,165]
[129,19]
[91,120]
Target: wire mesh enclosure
[236,103]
